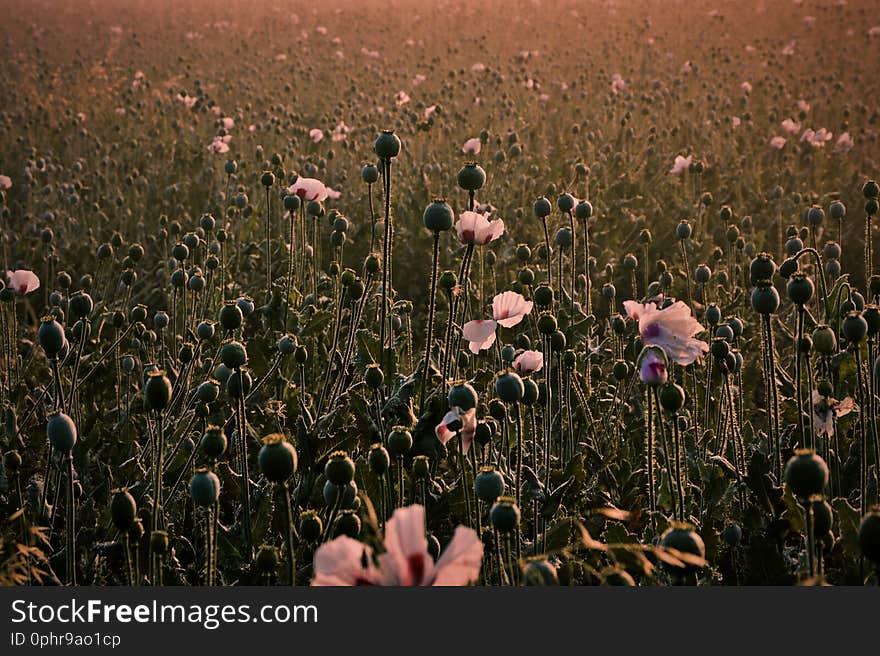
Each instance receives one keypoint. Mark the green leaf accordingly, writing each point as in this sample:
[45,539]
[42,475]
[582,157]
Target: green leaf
[847,526]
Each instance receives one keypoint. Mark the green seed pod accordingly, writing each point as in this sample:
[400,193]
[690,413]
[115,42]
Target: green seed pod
[123,510]
[509,387]
[684,539]
[348,524]
[672,397]
[799,289]
[854,327]
[230,316]
[51,336]
[157,391]
[806,474]
[540,573]
[379,459]
[204,488]
[400,442]
[504,515]
[339,469]
[277,458]
[471,177]
[824,340]
[373,376]
[233,355]
[463,396]
[438,216]
[489,484]
[421,468]
[387,145]
[310,526]
[213,443]
[267,559]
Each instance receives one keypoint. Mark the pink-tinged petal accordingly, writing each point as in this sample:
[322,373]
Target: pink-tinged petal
[406,560]
[467,225]
[472,147]
[5,182]
[309,189]
[460,562]
[316,135]
[509,308]
[528,362]
[23,281]
[468,429]
[442,430]
[845,406]
[493,230]
[633,309]
[342,562]
[480,333]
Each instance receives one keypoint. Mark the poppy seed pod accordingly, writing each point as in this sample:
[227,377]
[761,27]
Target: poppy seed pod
[373,376]
[871,315]
[543,296]
[214,442]
[138,314]
[672,397]
[824,340]
[421,468]
[837,210]
[123,510]
[51,336]
[387,145]
[702,274]
[61,432]
[208,391]
[762,267]
[683,230]
[583,210]
[310,526]
[854,327]
[379,459]
[349,492]
[530,392]
[816,216]
[799,289]
[505,515]
[542,208]
[806,474]
[339,469]
[565,202]
[233,355]
[348,524]
[712,315]
[463,396]
[277,458]
[230,316]
[267,179]
[400,442]
[685,540]
[370,173]
[509,387]
[471,177]
[438,216]
[157,390]
[205,330]
[80,305]
[267,559]
[204,488]
[489,484]
[765,299]
[12,461]
[239,383]
[547,324]
[871,189]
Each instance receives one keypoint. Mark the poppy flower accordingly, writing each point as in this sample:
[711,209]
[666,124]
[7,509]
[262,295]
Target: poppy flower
[5,182]
[406,561]
[457,421]
[472,147]
[309,189]
[22,281]
[528,362]
[826,410]
[652,366]
[316,135]
[480,333]
[777,142]
[508,309]
[681,164]
[473,228]
[672,329]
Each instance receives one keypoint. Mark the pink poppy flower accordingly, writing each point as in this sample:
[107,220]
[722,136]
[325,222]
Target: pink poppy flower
[480,333]
[617,83]
[528,362]
[406,561]
[5,182]
[220,144]
[844,143]
[309,189]
[401,98]
[791,127]
[472,147]
[672,329]
[22,282]
[227,122]
[473,228]
[652,367]
[509,308]
[746,87]
[681,164]
[826,410]
[456,421]
[316,135]
[777,142]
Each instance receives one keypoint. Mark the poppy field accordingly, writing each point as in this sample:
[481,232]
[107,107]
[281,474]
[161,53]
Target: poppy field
[454,293]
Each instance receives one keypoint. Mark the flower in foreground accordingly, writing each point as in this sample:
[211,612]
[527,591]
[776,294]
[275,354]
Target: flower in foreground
[22,281]
[826,410]
[508,309]
[458,421]
[406,562]
[474,228]
[672,329]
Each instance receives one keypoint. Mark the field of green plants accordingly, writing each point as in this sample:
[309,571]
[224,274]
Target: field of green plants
[500,293]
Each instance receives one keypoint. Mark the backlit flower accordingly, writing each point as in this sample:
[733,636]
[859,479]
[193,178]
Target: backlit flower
[474,228]
[826,410]
[528,362]
[316,134]
[681,164]
[652,366]
[456,421]
[472,147]
[309,189]
[406,562]
[672,329]
[480,333]
[22,281]
[509,308]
